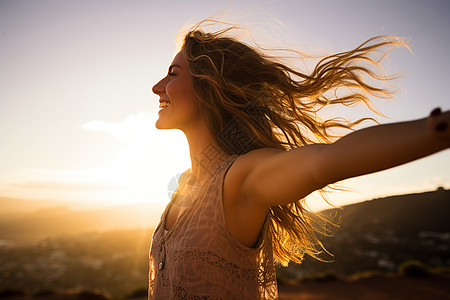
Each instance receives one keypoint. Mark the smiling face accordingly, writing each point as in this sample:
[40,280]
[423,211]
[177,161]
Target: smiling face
[177,102]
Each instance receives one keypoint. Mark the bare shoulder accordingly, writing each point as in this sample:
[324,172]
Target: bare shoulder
[243,165]
[246,162]
[252,158]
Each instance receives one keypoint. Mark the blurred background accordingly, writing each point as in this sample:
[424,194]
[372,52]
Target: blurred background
[83,171]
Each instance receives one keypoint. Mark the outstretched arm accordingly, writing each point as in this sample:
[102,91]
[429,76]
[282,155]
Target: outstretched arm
[279,177]
[381,147]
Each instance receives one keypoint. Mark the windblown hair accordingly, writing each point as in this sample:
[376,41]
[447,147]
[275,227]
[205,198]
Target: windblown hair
[251,100]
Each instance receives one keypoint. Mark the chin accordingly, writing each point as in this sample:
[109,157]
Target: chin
[160,125]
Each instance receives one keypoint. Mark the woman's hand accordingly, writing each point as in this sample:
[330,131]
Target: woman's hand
[439,125]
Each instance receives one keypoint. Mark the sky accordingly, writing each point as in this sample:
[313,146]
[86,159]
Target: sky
[77,112]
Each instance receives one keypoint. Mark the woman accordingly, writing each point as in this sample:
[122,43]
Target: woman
[257,147]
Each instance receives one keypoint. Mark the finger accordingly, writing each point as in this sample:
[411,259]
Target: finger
[435,112]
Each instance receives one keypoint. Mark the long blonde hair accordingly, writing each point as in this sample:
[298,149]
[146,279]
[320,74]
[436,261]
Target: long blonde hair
[251,100]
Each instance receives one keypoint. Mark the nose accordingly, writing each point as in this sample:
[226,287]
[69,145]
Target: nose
[159,88]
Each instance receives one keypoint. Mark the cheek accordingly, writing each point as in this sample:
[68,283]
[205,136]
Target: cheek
[181,93]
[175,90]
[171,90]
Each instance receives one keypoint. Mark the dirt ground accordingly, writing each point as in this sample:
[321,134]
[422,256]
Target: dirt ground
[382,288]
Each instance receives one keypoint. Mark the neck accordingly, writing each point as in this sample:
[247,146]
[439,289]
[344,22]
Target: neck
[205,154]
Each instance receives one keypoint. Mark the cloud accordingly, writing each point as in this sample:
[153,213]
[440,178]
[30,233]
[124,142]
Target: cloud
[145,147]
[133,127]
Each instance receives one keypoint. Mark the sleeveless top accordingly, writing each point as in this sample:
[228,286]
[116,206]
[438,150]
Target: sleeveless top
[197,258]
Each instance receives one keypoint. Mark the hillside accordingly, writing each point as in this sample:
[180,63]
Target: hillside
[404,214]
[382,233]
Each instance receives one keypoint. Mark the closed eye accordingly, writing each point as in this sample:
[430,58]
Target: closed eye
[171,73]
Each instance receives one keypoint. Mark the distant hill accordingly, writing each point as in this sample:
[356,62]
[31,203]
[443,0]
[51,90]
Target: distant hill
[15,205]
[382,233]
[37,222]
[405,214]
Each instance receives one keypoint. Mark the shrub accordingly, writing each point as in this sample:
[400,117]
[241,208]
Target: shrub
[412,268]
[441,270]
[365,274]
